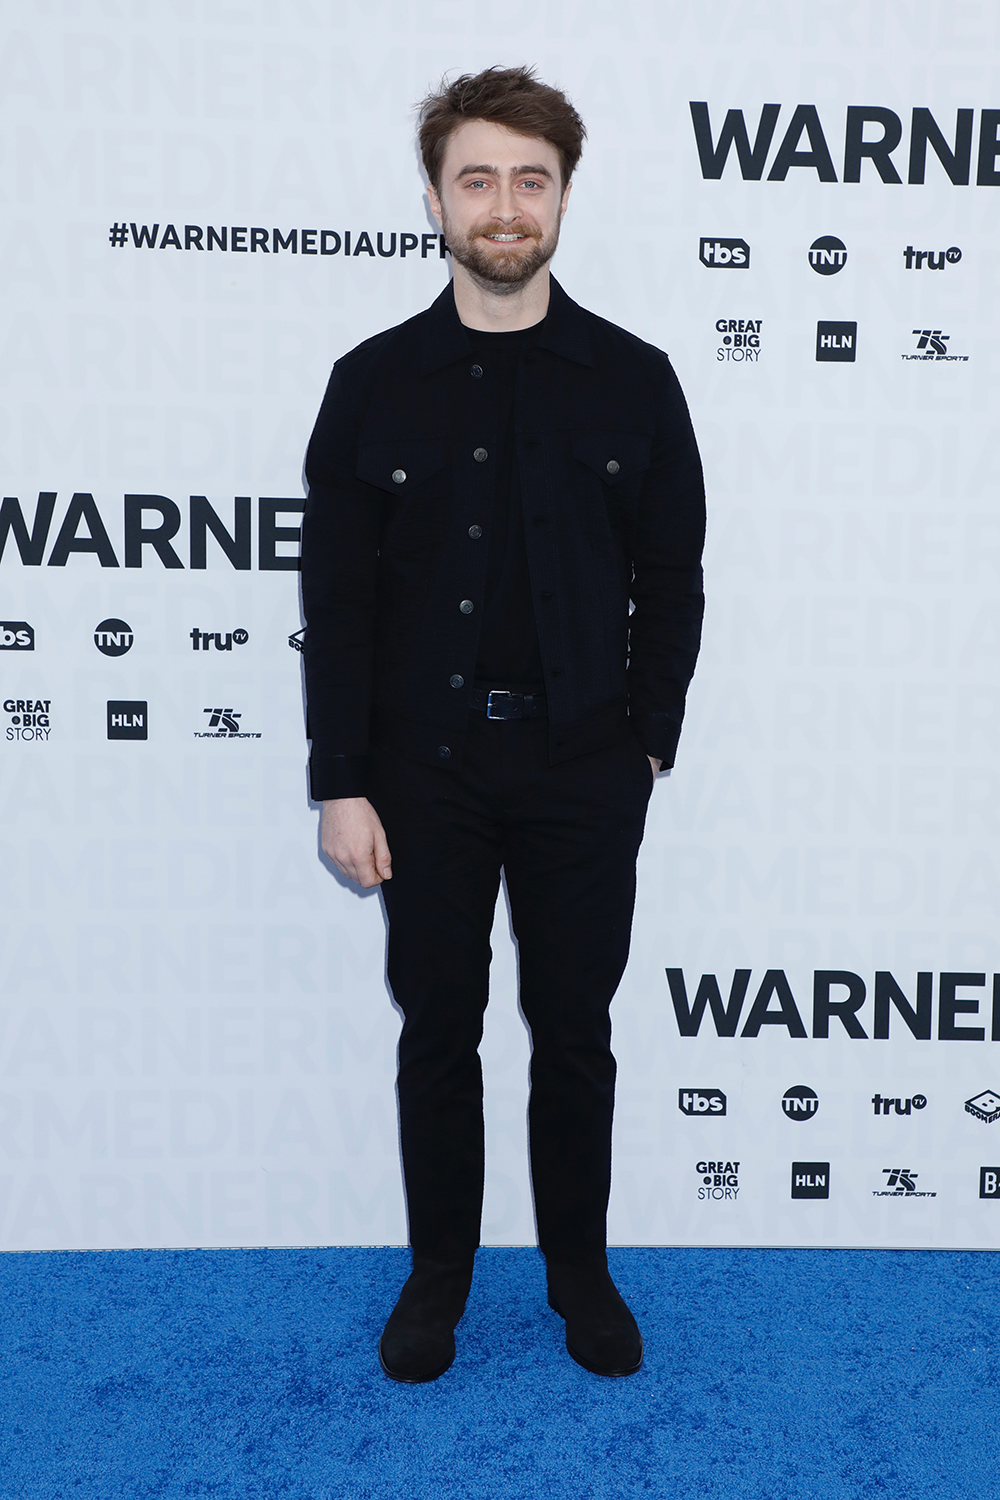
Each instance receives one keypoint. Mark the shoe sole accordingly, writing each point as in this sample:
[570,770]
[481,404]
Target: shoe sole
[596,1370]
[412,1379]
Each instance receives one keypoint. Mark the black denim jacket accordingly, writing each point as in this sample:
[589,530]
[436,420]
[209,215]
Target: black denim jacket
[400,471]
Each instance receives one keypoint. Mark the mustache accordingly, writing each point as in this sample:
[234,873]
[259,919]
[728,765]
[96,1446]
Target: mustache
[489,226]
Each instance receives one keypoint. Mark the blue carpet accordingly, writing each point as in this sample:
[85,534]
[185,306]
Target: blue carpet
[236,1374]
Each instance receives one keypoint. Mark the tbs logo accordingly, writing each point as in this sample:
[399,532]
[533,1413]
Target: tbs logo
[16,635]
[725,255]
[701,1101]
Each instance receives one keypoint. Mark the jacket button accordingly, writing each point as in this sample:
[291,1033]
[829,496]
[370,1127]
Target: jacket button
[467,606]
[444,752]
[545,595]
[475,532]
[613,466]
[457,681]
[398,475]
[477,371]
[480,455]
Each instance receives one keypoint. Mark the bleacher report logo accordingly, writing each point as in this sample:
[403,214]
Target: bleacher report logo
[828,255]
[989,1183]
[128,719]
[28,718]
[800,1103]
[113,637]
[725,255]
[701,1101]
[16,635]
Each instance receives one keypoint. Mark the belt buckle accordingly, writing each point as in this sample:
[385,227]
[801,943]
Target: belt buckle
[496,693]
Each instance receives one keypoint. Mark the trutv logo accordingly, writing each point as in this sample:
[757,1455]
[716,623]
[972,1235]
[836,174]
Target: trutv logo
[151,527]
[871,135]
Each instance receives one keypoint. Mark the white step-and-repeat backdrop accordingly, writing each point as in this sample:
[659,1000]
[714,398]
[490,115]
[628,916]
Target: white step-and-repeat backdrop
[204,204]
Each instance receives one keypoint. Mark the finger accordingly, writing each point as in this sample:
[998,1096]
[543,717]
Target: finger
[383,859]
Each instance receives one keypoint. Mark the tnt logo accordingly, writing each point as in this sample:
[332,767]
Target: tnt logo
[989,1182]
[701,1101]
[810,1179]
[16,635]
[113,637]
[127,720]
[800,1103]
[828,255]
[725,255]
[836,343]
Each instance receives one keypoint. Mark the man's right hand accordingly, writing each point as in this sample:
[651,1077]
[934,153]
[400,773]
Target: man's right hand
[352,836]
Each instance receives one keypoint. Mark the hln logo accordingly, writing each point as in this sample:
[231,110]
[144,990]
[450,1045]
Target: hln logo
[701,1101]
[836,342]
[810,1179]
[127,720]
[989,1182]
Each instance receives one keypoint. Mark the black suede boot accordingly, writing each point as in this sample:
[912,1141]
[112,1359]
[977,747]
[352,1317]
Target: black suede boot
[418,1341]
[601,1333]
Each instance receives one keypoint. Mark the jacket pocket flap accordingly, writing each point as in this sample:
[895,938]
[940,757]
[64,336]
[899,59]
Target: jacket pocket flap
[400,467]
[612,455]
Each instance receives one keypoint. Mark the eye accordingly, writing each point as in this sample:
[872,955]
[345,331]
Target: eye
[530,182]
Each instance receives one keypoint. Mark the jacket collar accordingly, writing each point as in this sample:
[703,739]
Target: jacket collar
[444,339]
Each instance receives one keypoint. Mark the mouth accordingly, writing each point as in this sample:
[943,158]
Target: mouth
[506,239]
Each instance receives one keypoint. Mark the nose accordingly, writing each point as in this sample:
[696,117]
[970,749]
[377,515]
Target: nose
[506,208]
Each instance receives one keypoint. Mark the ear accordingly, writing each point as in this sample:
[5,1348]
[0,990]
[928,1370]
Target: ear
[565,199]
[434,201]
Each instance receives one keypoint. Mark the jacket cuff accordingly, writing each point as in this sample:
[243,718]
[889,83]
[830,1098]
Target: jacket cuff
[659,740]
[335,776]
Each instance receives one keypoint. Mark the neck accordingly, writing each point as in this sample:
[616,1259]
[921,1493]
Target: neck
[480,306]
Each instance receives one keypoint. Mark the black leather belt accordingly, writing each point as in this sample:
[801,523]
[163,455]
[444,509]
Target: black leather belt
[498,704]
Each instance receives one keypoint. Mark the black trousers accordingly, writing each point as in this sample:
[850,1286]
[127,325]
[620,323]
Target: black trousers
[566,837]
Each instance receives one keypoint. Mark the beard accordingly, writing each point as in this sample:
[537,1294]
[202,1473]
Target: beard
[501,268]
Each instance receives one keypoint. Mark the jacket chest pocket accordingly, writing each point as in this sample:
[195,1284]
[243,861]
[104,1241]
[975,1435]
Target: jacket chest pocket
[413,473]
[611,466]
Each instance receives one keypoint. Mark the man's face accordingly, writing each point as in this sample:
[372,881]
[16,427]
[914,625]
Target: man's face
[500,203]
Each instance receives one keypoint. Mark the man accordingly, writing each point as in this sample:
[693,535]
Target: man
[492,486]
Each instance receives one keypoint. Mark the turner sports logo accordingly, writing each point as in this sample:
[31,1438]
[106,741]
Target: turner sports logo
[224,724]
[151,529]
[843,998]
[871,135]
[900,1182]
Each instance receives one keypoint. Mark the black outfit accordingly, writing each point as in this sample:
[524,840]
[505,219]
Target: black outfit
[481,510]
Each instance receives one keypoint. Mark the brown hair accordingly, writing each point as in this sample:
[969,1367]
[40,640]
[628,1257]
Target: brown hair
[505,96]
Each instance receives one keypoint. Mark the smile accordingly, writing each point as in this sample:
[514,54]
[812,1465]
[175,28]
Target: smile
[506,239]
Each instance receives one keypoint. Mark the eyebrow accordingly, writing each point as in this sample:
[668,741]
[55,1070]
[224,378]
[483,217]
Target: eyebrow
[487,171]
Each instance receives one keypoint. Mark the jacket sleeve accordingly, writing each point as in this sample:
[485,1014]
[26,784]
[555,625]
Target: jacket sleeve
[340,534]
[667,587]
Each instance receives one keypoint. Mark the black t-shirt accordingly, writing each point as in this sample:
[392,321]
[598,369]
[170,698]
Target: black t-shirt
[508,656]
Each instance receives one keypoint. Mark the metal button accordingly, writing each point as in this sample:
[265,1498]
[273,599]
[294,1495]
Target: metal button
[613,466]
[477,371]
[480,455]
[398,475]
[475,532]
[444,752]
[467,606]
[457,681]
